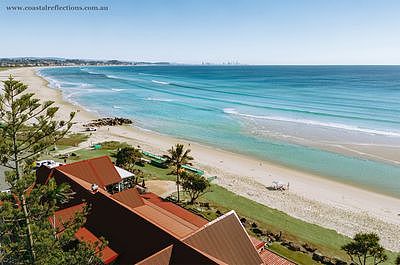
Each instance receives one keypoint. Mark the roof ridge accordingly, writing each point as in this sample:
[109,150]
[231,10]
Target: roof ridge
[216,220]
[220,262]
[203,233]
[96,174]
[98,170]
[173,216]
[80,161]
[105,193]
[168,248]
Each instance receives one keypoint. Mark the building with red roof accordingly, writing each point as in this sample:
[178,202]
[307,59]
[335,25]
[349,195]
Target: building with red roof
[145,229]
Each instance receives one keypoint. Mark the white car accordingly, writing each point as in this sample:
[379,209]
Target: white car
[48,163]
[44,163]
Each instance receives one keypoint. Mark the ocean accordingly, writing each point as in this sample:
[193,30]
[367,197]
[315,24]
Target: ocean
[340,122]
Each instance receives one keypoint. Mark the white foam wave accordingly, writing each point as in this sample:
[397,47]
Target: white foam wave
[112,76]
[97,73]
[151,74]
[160,82]
[117,107]
[59,84]
[72,95]
[117,89]
[341,126]
[230,111]
[82,85]
[160,99]
[88,71]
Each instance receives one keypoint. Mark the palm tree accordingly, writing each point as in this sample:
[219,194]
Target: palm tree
[178,156]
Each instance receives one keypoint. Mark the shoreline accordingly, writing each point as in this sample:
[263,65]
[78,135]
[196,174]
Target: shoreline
[312,198]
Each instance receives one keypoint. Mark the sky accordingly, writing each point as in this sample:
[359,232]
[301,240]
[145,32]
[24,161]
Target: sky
[215,31]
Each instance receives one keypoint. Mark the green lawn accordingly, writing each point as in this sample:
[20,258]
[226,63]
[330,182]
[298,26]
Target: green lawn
[300,258]
[107,148]
[152,172]
[2,68]
[73,139]
[327,241]
[84,154]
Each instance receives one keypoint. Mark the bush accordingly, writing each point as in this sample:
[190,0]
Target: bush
[73,139]
[112,145]
[257,231]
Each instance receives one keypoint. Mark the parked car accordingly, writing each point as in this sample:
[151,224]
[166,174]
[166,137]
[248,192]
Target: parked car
[48,163]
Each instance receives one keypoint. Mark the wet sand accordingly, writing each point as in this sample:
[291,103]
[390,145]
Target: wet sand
[344,208]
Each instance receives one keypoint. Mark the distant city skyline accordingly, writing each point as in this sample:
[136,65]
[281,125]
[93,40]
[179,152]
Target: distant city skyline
[216,32]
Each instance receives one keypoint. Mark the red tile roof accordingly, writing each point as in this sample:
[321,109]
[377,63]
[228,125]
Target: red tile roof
[175,209]
[63,216]
[170,234]
[99,170]
[258,244]
[107,255]
[226,239]
[175,225]
[129,197]
[270,258]
[160,258]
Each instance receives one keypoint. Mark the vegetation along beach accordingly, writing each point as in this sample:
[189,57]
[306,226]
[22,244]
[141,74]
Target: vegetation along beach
[327,200]
[200,132]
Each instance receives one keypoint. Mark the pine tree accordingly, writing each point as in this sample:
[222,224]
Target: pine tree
[27,128]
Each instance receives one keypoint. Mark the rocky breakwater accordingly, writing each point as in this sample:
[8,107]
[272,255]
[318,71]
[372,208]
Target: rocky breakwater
[115,121]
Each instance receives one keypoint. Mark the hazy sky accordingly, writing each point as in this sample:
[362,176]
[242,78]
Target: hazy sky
[188,31]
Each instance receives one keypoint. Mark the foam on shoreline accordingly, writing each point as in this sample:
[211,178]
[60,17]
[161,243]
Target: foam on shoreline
[334,205]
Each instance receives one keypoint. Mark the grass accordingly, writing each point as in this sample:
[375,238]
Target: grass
[73,139]
[155,173]
[327,241]
[84,154]
[107,149]
[300,258]
[3,68]
[112,145]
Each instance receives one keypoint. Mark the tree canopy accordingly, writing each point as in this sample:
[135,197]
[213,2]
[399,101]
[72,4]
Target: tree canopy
[365,248]
[194,185]
[178,156]
[27,236]
[127,157]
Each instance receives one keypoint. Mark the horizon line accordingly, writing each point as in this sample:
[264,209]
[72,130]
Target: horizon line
[204,63]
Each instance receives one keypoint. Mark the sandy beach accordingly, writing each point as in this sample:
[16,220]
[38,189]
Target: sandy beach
[312,198]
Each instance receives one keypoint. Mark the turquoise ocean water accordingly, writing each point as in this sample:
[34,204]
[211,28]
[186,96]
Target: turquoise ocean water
[238,108]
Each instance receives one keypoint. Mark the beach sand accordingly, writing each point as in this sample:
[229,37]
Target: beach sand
[312,198]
